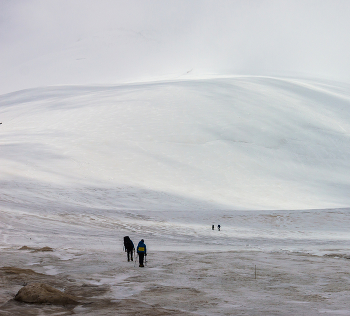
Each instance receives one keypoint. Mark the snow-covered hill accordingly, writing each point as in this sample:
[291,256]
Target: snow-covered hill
[172,158]
[234,143]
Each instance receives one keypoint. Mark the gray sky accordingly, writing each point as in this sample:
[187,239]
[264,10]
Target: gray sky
[111,41]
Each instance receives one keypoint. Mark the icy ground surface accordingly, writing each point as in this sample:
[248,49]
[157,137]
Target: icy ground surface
[182,283]
[265,158]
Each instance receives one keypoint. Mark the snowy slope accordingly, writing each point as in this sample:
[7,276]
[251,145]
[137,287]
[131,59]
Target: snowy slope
[237,143]
[166,160]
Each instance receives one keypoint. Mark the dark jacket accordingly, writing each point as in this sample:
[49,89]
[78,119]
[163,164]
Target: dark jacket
[128,244]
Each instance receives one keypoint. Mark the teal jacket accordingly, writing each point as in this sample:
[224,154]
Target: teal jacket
[141,247]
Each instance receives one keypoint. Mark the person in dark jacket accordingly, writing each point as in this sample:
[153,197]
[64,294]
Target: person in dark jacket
[141,251]
[129,247]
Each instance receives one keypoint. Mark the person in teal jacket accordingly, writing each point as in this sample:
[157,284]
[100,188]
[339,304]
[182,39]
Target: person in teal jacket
[141,251]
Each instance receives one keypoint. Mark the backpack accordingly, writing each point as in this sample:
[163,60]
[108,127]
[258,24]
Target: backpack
[127,243]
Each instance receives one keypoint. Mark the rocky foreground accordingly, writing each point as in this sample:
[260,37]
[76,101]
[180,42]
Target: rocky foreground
[173,283]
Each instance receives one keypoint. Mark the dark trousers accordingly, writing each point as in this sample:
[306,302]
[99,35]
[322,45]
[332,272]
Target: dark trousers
[129,252]
[141,257]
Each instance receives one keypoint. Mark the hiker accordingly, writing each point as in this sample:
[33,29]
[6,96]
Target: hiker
[219,227]
[141,251]
[129,247]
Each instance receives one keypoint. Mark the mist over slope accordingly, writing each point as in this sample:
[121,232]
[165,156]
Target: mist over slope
[232,143]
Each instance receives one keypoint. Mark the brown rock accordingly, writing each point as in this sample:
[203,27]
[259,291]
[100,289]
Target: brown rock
[44,294]
[44,249]
[25,248]
[13,270]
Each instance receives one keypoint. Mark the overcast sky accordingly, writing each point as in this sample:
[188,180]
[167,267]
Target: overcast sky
[52,42]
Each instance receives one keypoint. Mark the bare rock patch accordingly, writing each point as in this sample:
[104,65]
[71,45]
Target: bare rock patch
[41,293]
[14,270]
[43,249]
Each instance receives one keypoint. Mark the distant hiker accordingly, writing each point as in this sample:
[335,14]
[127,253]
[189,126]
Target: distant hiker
[219,227]
[141,251]
[129,247]
[212,227]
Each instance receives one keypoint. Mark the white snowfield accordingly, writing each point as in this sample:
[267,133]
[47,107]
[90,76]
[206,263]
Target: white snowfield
[266,158]
[240,143]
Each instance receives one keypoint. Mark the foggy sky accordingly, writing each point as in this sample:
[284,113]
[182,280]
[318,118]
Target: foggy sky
[112,41]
